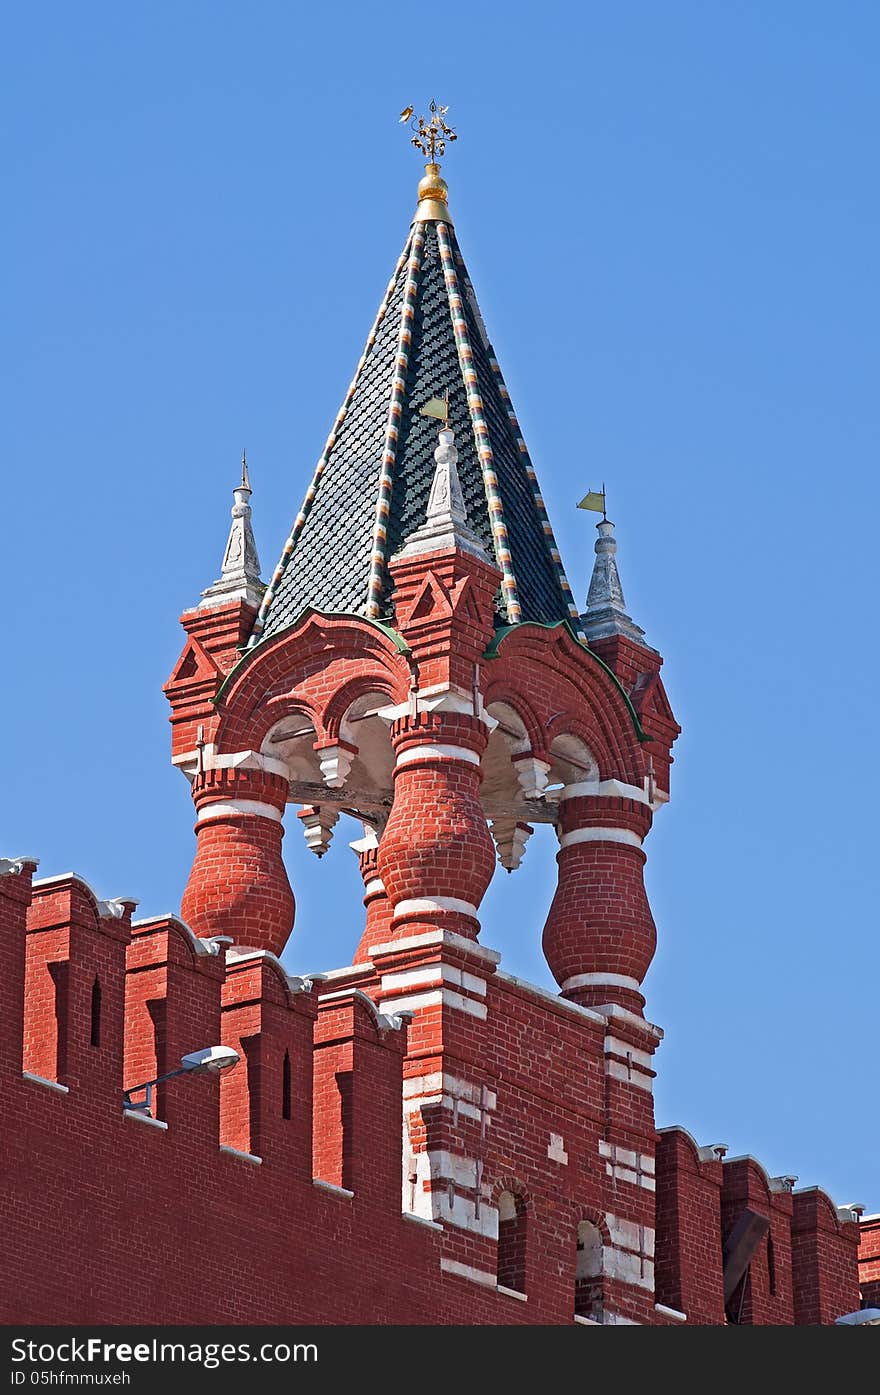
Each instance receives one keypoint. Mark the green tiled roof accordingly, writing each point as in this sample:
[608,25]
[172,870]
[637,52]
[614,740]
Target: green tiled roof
[370,488]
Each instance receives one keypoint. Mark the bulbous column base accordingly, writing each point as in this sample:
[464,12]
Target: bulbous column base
[238,885]
[599,938]
[436,858]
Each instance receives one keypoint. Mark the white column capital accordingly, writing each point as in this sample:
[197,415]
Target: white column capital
[335,762]
[446,699]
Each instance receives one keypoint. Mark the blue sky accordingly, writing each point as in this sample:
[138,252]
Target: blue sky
[670,214]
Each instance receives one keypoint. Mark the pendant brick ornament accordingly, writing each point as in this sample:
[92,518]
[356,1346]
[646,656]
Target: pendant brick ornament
[510,840]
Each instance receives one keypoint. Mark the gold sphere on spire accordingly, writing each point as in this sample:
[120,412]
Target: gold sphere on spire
[433,194]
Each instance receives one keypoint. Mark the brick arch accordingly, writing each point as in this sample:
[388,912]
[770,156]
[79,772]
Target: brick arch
[277,711]
[595,1217]
[518,1188]
[234,735]
[589,1287]
[568,723]
[534,727]
[297,667]
[513,1234]
[345,697]
[560,676]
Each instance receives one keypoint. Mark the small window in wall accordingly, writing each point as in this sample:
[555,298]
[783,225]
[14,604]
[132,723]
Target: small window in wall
[588,1292]
[771,1265]
[285,1086]
[95,1034]
[512,1242]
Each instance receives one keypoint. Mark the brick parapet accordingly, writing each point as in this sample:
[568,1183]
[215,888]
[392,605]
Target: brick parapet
[95,1202]
[824,1259]
[689,1262]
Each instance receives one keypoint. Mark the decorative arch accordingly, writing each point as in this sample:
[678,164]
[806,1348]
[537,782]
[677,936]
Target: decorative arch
[589,1269]
[337,710]
[563,676]
[502,694]
[572,758]
[513,1205]
[297,669]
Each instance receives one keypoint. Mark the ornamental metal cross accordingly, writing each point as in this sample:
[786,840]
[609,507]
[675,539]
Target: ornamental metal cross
[431,132]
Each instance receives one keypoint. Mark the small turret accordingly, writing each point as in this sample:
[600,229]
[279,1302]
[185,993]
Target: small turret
[240,574]
[446,524]
[606,612]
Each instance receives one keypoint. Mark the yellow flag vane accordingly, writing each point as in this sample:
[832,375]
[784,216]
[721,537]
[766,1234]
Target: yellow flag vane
[595,501]
[437,407]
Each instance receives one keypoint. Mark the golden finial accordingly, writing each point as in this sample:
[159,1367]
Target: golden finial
[430,135]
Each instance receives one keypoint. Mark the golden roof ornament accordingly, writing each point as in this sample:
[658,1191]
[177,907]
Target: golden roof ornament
[430,135]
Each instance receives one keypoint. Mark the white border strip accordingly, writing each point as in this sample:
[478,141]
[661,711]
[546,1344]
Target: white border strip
[49,1084]
[600,835]
[242,1157]
[443,752]
[239,806]
[466,1271]
[602,789]
[418,905]
[605,980]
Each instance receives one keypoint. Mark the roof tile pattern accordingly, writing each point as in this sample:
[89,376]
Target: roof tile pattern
[331,562]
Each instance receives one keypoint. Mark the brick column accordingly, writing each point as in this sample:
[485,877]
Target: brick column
[436,856]
[599,938]
[379,910]
[238,885]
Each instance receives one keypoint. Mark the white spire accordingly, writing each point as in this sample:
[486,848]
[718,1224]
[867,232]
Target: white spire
[446,524]
[240,574]
[606,608]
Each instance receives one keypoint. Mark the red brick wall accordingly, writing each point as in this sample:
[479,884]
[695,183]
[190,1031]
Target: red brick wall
[869,1261]
[215,1217]
[688,1229]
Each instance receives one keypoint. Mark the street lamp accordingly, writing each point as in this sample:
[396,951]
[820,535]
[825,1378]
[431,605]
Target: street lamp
[211,1060]
[863,1317]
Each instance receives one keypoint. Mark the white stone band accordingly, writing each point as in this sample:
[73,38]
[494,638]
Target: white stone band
[602,980]
[600,835]
[602,789]
[439,699]
[222,810]
[418,753]
[374,887]
[420,906]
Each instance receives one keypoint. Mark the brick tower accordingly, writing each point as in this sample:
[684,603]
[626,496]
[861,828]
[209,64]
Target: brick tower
[416,1137]
[418,660]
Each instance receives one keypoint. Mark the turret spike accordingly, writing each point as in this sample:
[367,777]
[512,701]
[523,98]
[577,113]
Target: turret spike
[240,574]
[446,524]
[606,612]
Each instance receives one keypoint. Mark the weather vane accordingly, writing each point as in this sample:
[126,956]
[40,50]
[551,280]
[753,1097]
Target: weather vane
[431,133]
